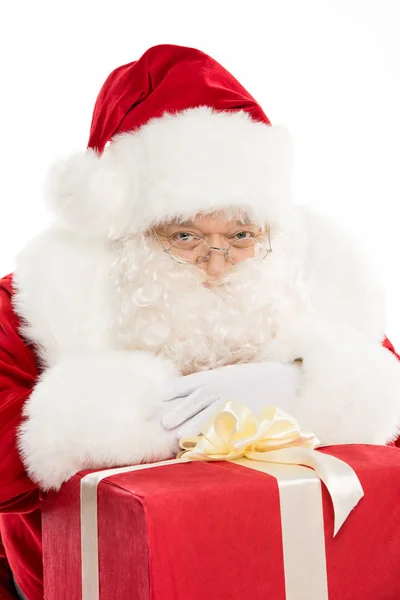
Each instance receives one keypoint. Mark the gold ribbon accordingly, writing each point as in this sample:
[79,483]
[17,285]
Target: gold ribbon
[274,437]
[272,444]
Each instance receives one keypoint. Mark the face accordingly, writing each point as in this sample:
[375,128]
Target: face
[208,314]
[190,242]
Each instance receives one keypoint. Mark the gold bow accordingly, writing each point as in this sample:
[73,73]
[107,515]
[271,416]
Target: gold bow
[274,437]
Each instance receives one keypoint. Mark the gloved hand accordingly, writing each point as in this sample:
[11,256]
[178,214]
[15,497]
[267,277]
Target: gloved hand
[191,401]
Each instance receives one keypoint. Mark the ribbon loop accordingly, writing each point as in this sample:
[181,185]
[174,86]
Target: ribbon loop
[274,437]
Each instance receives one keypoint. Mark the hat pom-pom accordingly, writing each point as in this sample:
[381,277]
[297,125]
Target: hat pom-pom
[84,193]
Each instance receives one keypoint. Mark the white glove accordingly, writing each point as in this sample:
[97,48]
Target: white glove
[191,401]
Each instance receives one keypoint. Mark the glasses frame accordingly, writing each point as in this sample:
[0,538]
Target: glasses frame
[206,257]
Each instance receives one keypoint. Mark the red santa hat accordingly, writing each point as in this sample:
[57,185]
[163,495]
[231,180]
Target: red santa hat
[185,137]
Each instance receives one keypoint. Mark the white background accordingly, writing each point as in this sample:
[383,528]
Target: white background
[329,70]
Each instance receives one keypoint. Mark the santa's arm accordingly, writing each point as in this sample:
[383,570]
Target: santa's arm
[18,373]
[350,386]
[95,409]
[90,408]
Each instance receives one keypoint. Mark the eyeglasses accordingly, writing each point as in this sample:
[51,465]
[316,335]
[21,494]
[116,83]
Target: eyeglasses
[196,250]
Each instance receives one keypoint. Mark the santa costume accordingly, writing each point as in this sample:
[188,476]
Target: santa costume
[96,319]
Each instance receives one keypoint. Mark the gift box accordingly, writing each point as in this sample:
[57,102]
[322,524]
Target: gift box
[224,530]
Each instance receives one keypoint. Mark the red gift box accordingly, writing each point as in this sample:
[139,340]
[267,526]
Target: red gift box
[219,530]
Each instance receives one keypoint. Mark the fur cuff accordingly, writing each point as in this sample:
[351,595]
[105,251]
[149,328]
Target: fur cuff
[350,390]
[95,410]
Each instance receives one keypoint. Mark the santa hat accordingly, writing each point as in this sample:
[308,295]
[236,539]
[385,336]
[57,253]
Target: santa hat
[185,138]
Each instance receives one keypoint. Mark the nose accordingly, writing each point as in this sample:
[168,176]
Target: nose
[216,263]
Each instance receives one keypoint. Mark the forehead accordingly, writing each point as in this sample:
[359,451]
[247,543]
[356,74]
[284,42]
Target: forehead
[217,222]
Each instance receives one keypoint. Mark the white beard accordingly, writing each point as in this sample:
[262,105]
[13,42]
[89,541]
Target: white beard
[163,307]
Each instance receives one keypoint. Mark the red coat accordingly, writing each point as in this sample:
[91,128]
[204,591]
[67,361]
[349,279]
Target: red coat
[20,522]
[20,517]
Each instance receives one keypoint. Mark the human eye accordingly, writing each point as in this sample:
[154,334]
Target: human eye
[182,236]
[242,239]
[242,235]
[185,240]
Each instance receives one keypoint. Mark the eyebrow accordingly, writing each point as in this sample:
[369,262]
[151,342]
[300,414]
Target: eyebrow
[246,222]
[182,223]
[191,224]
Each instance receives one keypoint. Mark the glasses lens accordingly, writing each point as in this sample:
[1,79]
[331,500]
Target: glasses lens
[190,250]
[247,248]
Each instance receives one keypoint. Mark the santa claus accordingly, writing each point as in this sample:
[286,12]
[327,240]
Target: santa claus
[178,274]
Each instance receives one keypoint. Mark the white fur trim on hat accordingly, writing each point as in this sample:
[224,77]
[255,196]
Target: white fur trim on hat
[176,166]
